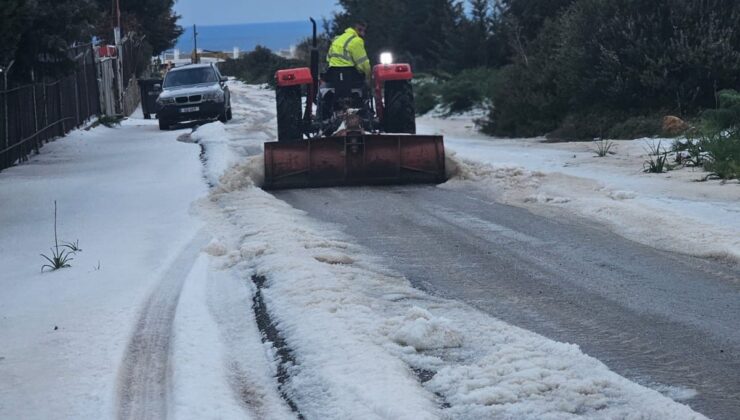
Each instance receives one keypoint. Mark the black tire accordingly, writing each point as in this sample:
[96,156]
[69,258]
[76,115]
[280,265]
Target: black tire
[164,124]
[223,116]
[289,117]
[229,115]
[399,115]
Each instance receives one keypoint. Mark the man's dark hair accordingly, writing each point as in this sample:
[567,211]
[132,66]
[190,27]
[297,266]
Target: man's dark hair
[360,23]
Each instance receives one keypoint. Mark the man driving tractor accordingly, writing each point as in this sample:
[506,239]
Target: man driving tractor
[347,57]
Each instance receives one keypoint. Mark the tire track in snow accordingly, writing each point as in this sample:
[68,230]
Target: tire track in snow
[271,335]
[145,373]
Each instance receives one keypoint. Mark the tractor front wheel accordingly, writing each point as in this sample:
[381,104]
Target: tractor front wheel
[399,115]
[289,113]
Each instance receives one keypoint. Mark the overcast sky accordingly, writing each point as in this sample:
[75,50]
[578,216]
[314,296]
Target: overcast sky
[226,12]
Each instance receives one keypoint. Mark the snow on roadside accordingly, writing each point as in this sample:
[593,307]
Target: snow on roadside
[219,362]
[668,211]
[125,194]
[365,342]
[199,391]
[220,157]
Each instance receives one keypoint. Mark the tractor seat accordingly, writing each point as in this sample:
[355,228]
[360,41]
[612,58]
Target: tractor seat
[343,80]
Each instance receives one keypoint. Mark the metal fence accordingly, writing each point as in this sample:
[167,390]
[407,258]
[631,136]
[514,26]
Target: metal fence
[32,115]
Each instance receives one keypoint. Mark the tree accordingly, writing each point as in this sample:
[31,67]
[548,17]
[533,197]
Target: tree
[424,32]
[476,34]
[47,29]
[154,19]
[15,16]
[601,61]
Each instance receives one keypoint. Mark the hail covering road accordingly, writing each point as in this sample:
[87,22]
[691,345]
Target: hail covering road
[655,317]
[660,319]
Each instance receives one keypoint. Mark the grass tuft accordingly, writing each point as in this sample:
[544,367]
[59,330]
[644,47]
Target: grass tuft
[604,147]
[61,255]
[657,158]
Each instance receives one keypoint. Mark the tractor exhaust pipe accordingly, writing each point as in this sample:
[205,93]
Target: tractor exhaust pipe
[315,58]
[314,66]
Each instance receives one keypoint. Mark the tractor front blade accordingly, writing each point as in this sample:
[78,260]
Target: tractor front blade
[355,159]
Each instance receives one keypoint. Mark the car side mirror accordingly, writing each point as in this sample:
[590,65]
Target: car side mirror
[224,79]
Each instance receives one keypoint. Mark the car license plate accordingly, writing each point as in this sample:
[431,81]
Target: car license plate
[189,109]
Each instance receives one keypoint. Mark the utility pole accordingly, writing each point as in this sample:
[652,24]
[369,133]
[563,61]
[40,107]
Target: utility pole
[195,58]
[119,53]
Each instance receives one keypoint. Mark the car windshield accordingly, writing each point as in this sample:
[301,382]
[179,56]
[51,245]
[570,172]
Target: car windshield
[190,77]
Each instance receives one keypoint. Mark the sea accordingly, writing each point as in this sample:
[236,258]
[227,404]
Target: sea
[276,36]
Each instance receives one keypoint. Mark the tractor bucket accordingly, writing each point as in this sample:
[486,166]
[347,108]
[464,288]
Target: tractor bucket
[355,159]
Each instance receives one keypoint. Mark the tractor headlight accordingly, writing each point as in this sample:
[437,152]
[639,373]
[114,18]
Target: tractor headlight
[386,58]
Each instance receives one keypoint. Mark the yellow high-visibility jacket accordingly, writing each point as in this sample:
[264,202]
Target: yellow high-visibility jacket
[348,50]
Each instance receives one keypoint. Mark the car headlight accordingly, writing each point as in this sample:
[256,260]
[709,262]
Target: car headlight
[215,95]
[166,101]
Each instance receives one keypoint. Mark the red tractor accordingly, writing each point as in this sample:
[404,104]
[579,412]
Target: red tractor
[346,134]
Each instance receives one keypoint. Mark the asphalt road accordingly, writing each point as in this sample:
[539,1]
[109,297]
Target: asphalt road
[658,318]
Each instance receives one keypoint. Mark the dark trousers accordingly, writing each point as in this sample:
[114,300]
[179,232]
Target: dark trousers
[349,75]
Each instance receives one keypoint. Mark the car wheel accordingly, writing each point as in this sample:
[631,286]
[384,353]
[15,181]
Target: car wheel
[164,124]
[223,116]
[229,115]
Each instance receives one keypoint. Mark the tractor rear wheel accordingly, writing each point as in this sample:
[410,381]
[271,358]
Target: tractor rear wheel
[399,115]
[289,113]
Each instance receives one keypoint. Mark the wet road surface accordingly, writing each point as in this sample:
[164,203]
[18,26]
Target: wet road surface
[658,318]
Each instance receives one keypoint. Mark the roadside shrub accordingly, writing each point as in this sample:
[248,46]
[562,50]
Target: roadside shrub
[656,162]
[723,154]
[688,152]
[522,105]
[258,66]
[716,144]
[426,94]
[469,88]
[727,113]
[108,121]
[617,55]
[584,126]
[636,127]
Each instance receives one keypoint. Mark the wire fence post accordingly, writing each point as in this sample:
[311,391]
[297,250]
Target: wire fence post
[5,108]
[52,110]
[61,108]
[35,119]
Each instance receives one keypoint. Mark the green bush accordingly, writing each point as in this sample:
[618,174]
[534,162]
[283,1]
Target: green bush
[469,88]
[616,55]
[523,103]
[726,115]
[718,138]
[585,126]
[636,127]
[426,94]
[457,93]
[258,66]
[723,154]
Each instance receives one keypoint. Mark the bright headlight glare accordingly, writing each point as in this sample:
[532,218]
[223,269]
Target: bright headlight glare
[386,58]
